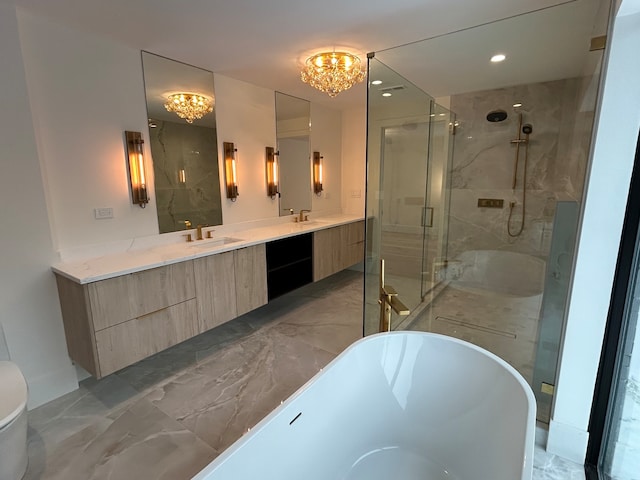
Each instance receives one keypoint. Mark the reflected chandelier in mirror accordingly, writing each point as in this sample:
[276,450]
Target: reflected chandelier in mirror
[184,149]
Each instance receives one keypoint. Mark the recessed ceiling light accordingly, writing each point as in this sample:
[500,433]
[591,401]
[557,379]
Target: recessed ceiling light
[376,82]
[516,105]
[432,115]
[499,57]
[386,94]
[442,114]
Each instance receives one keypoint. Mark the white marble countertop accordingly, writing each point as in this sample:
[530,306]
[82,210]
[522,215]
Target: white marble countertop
[139,256]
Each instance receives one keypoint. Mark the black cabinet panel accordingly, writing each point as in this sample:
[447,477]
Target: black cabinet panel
[289,264]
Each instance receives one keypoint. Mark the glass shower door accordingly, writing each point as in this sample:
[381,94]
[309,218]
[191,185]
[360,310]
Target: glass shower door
[438,196]
[398,215]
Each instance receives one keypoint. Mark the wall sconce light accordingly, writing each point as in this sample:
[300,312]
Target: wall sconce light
[317,173]
[137,177]
[272,172]
[182,176]
[231,174]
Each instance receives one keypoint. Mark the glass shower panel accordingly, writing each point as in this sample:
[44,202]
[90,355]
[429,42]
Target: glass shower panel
[438,195]
[397,157]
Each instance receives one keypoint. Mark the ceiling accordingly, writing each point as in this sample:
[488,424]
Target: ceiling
[265,42]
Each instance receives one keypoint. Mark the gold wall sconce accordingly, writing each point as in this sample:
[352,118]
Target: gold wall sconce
[182,176]
[230,170]
[272,172]
[137,177]
[317,173]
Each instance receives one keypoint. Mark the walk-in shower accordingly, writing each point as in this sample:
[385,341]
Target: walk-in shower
[474,211]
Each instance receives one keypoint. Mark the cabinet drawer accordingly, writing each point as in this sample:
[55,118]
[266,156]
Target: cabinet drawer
[119,299]
[131,341]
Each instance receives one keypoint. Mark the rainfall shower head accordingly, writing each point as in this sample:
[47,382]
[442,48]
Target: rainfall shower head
[496,116]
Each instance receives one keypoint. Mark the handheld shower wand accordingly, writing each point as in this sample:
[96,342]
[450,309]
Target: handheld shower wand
[525,129]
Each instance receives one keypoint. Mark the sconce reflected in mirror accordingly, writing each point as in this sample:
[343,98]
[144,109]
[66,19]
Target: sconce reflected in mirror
[317,173]
[272,172]
[137,177]
[230,170]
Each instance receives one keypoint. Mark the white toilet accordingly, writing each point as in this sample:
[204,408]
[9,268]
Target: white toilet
[13,418]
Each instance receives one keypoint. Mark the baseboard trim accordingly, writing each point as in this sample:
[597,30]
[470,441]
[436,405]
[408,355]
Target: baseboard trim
[48,387]
[567,441]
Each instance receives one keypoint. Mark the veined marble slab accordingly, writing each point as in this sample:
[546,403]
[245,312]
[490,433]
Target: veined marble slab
[139,255]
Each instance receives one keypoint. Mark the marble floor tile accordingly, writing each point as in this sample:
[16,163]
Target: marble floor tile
[170,415]
[238,386]
[547,466]
[141,442]
[75,411]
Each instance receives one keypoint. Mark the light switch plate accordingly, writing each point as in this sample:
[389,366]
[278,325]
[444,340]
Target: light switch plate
[103,213]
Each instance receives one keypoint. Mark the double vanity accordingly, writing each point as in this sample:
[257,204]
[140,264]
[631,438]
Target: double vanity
[125,306]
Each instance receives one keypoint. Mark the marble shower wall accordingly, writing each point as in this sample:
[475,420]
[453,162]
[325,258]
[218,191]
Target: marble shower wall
[484,160]
[192,148]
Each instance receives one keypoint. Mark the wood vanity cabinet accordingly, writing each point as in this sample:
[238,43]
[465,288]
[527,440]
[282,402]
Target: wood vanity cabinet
[230,284]
[251,278]
[112,323]
[337,248]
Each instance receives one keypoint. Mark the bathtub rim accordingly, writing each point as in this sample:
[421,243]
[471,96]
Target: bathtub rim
[280,409]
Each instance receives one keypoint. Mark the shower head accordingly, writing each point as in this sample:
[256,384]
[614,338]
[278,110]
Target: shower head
[527,129]
[496,116]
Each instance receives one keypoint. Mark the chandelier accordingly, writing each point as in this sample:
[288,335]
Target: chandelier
[190,106]
[332,72]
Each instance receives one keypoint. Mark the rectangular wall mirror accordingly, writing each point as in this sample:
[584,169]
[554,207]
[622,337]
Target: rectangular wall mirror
[182,136]
[293,118]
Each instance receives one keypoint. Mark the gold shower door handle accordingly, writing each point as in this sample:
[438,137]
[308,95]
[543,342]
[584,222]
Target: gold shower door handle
[427,216]
[389,302]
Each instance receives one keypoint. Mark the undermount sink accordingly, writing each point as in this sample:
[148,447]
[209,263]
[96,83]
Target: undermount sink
[213,242]
[310,223]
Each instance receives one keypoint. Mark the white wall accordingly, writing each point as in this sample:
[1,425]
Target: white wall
[245,115]
[84,93]
[354,152]
[326,138]
[614,149]
[29,309]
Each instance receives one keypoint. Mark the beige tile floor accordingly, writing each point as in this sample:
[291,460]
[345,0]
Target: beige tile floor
[168,416]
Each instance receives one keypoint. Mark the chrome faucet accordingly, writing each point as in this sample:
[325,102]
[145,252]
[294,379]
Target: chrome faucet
[302,216]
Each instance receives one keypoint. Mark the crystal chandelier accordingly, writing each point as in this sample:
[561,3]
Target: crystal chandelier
[190,106]
[332,72]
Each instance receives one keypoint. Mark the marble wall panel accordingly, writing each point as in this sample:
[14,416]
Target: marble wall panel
[180,146]
[484,162]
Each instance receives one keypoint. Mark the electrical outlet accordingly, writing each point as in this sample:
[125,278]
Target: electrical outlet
[103,213]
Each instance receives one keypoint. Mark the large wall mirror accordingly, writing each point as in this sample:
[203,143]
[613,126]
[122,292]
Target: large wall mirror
[183,143]
[292,131]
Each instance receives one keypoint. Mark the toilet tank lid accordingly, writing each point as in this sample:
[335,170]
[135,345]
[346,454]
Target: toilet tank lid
[13,392]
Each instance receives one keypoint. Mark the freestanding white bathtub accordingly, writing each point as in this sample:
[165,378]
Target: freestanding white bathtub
[400,405]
